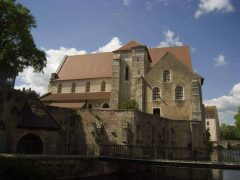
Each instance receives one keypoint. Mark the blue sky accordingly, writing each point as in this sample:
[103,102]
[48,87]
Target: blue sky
[210,27]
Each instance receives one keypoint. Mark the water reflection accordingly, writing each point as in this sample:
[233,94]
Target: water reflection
[167,173]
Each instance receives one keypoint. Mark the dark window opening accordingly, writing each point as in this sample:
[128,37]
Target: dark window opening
[156,93]
[73,87]
[126,73]
[89,106]
[105,105]
[179,93]
[138,58]
[103,86]
[166,76]
[156,112]
[88,87]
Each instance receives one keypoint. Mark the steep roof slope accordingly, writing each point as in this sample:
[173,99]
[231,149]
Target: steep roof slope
[99,65]
[181,52]
[86,66]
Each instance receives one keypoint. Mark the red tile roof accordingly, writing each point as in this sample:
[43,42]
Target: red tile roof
[99,65]
[130,45]
[181,52]
[86,66]
[69,97]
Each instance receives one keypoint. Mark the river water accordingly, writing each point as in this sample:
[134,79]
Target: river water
[169,173]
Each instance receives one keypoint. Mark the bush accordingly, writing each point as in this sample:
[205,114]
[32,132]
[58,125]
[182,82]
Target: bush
[131,104]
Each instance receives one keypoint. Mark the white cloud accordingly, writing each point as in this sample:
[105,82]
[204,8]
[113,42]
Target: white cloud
[148,6]
[220,60]
[227,105]
[39,81]
[207,6]
[111,46]
[170,40]
[126,2]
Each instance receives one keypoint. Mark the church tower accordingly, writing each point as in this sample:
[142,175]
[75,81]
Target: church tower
[130,64]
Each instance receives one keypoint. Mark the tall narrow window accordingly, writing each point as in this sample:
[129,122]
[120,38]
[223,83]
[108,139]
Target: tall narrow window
[88,87]
[179,93]
[73,87]
[59,90]
[156,93]
[166,76]
[103,86]
[126,73]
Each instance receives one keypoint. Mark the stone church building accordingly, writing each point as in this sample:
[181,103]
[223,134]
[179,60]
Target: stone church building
[160,80]
[84,103]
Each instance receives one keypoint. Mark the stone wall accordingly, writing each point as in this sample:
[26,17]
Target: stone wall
[11,106]
[180,76]
[128,127]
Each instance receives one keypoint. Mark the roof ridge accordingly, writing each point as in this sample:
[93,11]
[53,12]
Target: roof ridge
[131,44]
[187,46]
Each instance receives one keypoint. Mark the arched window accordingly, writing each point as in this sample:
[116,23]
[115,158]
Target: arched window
[59,90]
[88,87]
[105,105]
[179,93]
[89,106]
[73,87]
[166,76]
[156,93]
[103,86]
[126,73]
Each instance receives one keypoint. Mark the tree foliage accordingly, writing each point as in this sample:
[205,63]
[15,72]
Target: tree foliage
[237,122]
[17,48]
[229,132]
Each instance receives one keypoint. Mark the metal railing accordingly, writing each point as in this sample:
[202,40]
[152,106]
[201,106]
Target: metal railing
[154,152]
[137,152]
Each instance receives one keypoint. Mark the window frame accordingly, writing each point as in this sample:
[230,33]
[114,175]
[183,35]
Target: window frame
[166,76]
[88,86]
[156,94]
[179,94]
[103,86]
[73,87]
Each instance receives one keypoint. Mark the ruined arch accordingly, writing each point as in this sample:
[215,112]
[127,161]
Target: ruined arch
[30,144]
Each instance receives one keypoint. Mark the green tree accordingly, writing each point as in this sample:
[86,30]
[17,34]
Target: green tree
[237,123]
[228,132]
[17,48]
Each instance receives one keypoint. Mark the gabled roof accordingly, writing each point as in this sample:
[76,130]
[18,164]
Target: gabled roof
[182,53]
[130,45]
[99,65]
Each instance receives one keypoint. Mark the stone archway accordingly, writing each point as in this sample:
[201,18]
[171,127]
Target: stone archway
[30,144]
